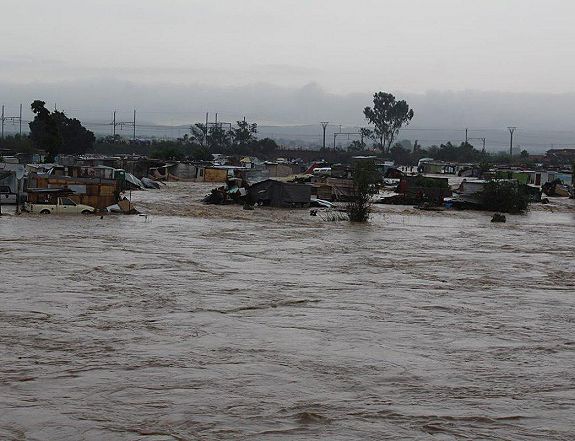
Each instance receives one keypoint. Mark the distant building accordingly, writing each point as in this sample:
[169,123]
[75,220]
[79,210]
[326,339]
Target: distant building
[560,156]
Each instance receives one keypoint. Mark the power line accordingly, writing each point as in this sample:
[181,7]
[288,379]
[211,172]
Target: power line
[5,118]
[123,124]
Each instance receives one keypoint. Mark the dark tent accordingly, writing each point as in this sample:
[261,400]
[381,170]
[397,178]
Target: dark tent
[280,194]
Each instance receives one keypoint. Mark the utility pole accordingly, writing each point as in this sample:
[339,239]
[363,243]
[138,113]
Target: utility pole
[206,136]
[125,123]
[217,125]
[481,139]
[324,126]
[466,137]
[4,118]
[336,134]
[511,131]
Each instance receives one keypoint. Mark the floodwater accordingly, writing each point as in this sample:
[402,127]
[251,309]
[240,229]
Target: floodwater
[202,322]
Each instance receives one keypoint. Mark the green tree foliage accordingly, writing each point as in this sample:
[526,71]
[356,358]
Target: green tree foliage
[245,133]
[524,154]
[56,133]
[464,152]
[17,143]
[365,176]
[75,137]
[356,146]
[168,153]
[219,139]
[264,146]
[400,154]
[44,130]
[200,153]
[505,197]
[387,116]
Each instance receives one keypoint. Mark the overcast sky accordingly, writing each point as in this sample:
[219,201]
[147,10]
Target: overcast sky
[344,46]
[477,64]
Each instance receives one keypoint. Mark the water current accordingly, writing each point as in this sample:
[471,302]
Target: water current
[206,322]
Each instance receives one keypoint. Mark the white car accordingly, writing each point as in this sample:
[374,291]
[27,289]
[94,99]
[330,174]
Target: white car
[62,206]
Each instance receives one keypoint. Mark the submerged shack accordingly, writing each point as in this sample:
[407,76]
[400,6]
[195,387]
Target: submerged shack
[424,189]
[280,194]
[97,192]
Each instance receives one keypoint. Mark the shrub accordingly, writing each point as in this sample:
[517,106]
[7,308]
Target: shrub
[365,176]
[504,196]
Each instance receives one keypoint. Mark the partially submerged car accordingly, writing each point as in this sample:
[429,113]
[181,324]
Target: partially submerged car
[60,205]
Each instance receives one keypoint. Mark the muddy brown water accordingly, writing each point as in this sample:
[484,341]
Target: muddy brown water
[218,323]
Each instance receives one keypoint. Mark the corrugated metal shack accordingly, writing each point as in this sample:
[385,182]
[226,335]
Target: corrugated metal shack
[280,194]
[423,188]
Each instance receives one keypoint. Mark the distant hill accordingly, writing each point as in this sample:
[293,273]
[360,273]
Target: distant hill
[543,120]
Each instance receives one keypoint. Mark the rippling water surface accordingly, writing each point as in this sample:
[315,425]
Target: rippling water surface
[218,323]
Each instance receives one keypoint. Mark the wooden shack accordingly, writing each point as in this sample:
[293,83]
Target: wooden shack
[341,189]
[94,192]
[215,174]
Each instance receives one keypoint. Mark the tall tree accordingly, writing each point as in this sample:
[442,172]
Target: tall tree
[219,139]
[56,133]
[388,116]
[75,137]
[245,133]
[44,130]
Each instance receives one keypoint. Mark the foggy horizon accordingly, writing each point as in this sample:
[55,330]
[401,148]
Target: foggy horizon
[543,119]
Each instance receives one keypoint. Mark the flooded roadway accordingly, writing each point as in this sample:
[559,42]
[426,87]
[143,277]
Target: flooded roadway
[218,323]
